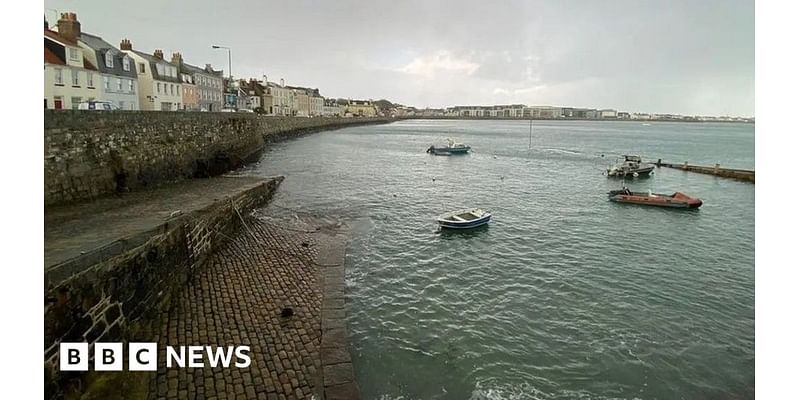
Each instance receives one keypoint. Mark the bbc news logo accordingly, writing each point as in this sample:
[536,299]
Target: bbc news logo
[144,356]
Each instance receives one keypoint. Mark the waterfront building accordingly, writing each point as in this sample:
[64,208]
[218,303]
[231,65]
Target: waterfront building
[254,91]
[190,93]
[543,112]
[607,114]
[116,80]
[159,83]
[301,105]
[360,108]
[331,109]
[69,77]
[640,116]
[316,103]
[205,93]
[623,115]
[282,99]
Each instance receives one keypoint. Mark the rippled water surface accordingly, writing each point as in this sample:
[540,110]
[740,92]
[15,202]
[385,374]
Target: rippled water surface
[564,295]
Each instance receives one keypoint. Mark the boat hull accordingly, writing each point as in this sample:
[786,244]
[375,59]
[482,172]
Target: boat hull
[640,173]
[448,150]
[677,200]
[466,224]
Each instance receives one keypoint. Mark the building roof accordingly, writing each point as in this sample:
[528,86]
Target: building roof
[153,60]
[55,36]
[52,58]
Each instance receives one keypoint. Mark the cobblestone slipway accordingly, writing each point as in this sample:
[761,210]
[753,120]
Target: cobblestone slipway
[237,299]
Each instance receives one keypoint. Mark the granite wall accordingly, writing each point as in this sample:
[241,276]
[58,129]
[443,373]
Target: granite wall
[91,153]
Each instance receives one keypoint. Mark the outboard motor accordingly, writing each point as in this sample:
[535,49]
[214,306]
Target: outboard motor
[430,150]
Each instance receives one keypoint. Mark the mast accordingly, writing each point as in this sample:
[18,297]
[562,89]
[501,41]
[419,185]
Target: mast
[530,133]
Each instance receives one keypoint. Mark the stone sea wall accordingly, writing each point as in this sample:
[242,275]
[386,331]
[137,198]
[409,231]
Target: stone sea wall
[88,154]
[120,297]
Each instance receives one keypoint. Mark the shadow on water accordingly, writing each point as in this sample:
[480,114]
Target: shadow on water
[460,234]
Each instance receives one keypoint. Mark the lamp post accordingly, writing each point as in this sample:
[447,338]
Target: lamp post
[230,71]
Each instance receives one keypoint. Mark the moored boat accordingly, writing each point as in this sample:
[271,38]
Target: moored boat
[452,147]
[630,166]
[675,200]
[464,219]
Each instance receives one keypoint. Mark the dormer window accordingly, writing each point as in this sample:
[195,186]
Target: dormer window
[109,60]
[126,64]
[73,54]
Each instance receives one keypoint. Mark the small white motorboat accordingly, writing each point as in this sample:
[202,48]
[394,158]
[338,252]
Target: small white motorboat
[464,219]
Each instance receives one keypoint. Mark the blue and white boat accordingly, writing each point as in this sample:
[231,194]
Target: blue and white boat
[452,147]
[464,219]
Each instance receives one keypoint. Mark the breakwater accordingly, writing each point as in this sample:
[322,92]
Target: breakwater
[89,154]
[716,170]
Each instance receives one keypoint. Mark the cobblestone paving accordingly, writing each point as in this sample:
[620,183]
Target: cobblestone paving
[237,299]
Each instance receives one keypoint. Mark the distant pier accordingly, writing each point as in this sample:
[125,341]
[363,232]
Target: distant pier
[738,174]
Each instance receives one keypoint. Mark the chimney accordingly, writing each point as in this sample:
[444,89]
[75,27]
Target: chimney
[265,80]
[158,54]
[177,59]
[282,82]
[69,27]
[125,44]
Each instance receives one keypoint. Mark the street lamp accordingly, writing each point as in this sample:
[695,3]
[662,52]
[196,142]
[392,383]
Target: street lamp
[230,72]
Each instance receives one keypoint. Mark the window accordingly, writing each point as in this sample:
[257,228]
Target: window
[126,64]
[130,85]
[73,54]
[158,87]
[172,89]
[160,69]
[107,83]
[75,80]
[75,101]
[59,79]
[119,84]
[89,79]
[109,60]
[141,68]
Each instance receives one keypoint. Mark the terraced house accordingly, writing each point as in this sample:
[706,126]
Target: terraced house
[206,84]
[116,70]
[159,84]
[69,78]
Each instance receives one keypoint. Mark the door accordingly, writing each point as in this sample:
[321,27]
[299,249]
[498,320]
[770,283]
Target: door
[58,103]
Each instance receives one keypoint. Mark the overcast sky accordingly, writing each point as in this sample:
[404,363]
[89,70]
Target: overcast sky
[687,57]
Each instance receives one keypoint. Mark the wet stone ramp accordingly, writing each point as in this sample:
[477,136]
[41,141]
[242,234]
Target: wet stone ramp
[238,299]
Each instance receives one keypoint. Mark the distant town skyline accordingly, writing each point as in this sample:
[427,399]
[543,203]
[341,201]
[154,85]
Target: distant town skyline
[689,58]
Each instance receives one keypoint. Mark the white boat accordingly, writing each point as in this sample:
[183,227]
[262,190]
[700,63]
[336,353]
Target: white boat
[631,166]
[464,219]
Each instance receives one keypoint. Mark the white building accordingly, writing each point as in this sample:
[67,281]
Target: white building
[69,78]
[159,83]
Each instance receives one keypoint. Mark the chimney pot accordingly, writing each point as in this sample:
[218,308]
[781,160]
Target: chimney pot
[125,44]
[158,54]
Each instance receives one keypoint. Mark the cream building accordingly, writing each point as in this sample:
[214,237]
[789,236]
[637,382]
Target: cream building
[69,78]
[159,83]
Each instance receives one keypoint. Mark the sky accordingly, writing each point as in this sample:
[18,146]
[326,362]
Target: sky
[682,57]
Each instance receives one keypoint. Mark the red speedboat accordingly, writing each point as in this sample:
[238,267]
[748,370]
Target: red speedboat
[675,200]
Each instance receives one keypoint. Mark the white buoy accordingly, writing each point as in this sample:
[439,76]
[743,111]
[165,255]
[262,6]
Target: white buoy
[635,174]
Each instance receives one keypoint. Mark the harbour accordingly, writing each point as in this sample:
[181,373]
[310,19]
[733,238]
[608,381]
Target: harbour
[564,294]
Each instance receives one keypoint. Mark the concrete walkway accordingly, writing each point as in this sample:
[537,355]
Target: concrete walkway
[73,230]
